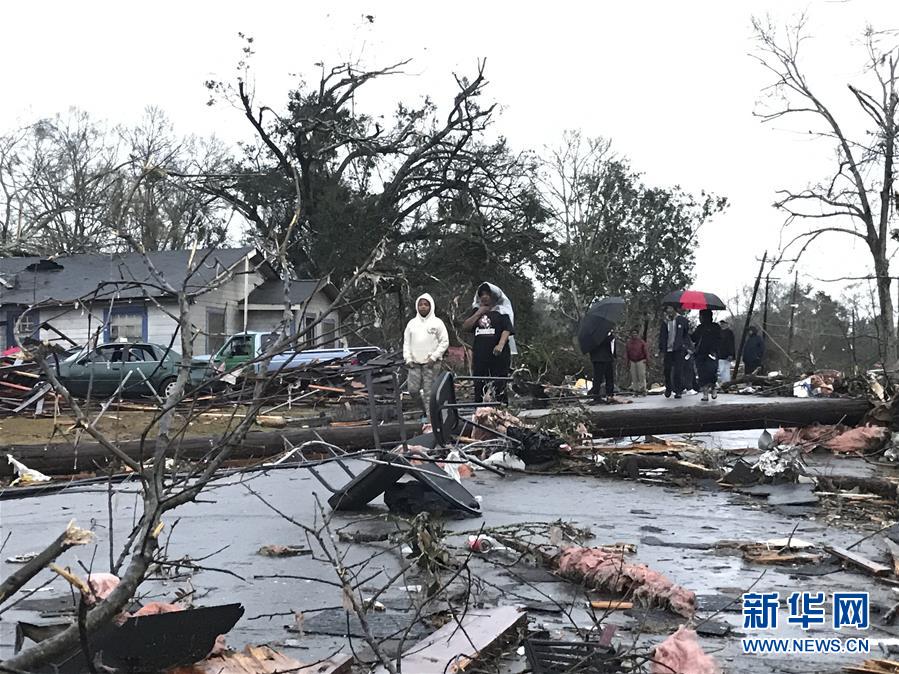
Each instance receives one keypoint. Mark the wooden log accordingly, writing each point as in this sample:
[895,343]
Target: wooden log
[883,487]
[65,459]
[658,418]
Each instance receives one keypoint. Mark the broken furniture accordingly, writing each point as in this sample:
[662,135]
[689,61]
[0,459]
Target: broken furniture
[446,422]
[386,470]
[550,656]
[149,643]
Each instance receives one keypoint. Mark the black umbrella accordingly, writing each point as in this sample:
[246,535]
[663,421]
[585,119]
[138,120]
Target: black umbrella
[601,317]
[693,299]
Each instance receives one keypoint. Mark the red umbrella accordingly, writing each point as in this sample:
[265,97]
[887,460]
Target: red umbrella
[693,299]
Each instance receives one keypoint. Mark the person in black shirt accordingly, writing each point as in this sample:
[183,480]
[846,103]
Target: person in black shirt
[491,356]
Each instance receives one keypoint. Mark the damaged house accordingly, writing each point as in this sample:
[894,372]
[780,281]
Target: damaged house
[114,296]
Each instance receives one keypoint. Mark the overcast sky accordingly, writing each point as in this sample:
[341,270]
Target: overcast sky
[671,83]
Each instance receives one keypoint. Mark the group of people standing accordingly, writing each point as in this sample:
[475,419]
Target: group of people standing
[491,321]
[699,358]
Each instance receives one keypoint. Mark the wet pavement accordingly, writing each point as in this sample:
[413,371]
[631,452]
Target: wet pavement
[670,525]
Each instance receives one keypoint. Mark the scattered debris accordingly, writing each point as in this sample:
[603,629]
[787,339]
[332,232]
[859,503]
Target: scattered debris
[26,475]
[283,551]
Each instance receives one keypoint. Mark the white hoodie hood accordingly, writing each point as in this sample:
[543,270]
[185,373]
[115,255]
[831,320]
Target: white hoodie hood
[426,338]
[503,306]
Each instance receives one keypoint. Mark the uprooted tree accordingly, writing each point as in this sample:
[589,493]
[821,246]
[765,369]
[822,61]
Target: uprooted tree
[858,198]
[447,197]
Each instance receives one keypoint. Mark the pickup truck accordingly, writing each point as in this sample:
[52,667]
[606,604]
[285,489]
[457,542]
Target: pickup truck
[247,346]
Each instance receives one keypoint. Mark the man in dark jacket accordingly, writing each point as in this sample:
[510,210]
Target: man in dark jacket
[674,340]
[603,357]
[753,350]
[726,353]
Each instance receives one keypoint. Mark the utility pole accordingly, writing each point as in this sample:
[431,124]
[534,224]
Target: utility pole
[792,317]
[755,291]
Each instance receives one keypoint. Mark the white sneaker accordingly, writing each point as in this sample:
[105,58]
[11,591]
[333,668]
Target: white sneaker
[691,392]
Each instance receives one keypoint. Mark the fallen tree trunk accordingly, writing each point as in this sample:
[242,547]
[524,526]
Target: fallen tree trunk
[66,459]
[733,415]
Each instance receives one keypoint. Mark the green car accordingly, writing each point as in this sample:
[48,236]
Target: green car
[144,369]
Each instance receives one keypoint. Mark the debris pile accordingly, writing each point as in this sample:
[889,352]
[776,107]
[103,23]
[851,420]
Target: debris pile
[837,438]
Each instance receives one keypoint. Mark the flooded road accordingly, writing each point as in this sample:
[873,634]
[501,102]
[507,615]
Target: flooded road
[674,529]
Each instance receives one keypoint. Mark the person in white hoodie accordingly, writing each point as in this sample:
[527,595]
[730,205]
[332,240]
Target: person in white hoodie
[424,343]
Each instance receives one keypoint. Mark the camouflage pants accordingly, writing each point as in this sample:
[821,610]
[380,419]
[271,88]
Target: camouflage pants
[420,383]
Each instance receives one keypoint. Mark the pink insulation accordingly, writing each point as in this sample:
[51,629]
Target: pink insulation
[836,438]
[681,654]
[610,572]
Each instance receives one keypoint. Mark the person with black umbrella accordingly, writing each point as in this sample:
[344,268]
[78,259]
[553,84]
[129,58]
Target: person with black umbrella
[603,358]
[596,337]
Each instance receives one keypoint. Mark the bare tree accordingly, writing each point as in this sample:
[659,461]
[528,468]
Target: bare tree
[859,197]
[173,214]
[63,182]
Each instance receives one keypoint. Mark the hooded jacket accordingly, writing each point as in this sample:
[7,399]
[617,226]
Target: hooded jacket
[425,336]
[503,306]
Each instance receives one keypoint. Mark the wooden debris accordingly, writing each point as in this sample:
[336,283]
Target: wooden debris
[855,559]
[893,549]
[611,604]
[762,553]
[874,667]
[454,648]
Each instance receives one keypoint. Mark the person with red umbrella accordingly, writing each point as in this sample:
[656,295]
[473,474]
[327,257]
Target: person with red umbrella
[674,337]
[707,338]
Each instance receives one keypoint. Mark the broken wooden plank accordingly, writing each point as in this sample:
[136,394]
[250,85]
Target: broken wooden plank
[456,645]
[874,667]
[38,395]
[893,549]
[611,604]
[855,559]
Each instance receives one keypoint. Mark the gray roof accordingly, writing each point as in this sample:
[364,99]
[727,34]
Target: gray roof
[84,276]
[272,292]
